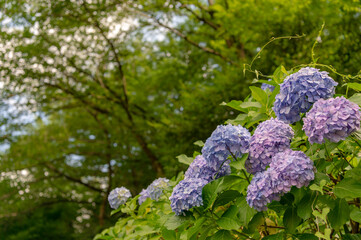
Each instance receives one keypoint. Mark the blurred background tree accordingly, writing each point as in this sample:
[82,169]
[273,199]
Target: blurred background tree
[102,93]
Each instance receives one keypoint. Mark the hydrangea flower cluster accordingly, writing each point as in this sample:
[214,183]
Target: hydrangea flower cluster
[212,164]
[226,140]
[200,168]
[300,90]
[187,194]
[270,87]
[333,119]
[154,190]
[143,195]
[287,169]
[118,196]
[270,137]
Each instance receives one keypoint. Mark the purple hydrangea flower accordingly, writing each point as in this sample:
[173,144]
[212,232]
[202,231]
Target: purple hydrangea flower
[118,196]
[270,137]
[300,90]
[187,194]
[143,195]
[287,169]
[293,168]
[265,86]
[263,190]
[157,187]
[226,139]
[200,168]
[333,119]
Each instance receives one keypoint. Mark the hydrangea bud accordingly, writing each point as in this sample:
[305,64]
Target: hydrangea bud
[187,194]
[118,196]
[270,137]
[293,168]
[300,90]
[226,140]
[200,168]
[143,195]
[333,119]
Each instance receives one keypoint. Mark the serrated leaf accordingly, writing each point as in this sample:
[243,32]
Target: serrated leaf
[229,219]
[245,212]
[226,197]
[304,208]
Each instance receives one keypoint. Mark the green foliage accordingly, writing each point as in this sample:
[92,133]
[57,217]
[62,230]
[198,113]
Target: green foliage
[116,90]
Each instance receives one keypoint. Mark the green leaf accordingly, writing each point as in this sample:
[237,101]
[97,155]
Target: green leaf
[340,214]
[259,95]
[356,98]
[229,219]
[239,164]
[255,222]
[304,208]
[235,105]
[245,212]
[348,187]
[168,234]
[251,105]
[197,226]
[211,190]
[199,143]
[222,235]
[305,236]
[278,236]
[175,221]
[279,74]
[356,214]
[355,86]
[291,220]
[226,197]
[351,237]
[184,159]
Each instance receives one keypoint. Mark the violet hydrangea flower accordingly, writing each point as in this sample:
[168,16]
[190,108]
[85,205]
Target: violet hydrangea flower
[143,195]
[270,137]
[300,90]
[263,190]
[333,119]
[224,141]
[200,168]
[118,196]
[187,194]
[287,169]
[270,87]
[293,168]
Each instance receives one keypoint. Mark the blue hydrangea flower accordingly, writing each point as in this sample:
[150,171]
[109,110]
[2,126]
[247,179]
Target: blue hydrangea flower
[200,168]
[263,190]
[300,90]
[157,187]
[333,119]
[270,87]
[293,168]
[143,195]
[118,196]
[226,139]
[187,194]
[270,137]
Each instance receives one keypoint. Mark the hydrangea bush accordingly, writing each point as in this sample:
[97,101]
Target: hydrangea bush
[287,167]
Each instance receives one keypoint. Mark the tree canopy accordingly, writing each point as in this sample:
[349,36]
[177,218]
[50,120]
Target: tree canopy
[102,93]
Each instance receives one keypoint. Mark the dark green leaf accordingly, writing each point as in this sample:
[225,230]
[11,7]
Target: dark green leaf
[229,219]
[304,208]
[225,197]
[355,214]
[340,214]
[348,187]
[245,212]
[291,220]
[305,236]
[278,236]
[222,235]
